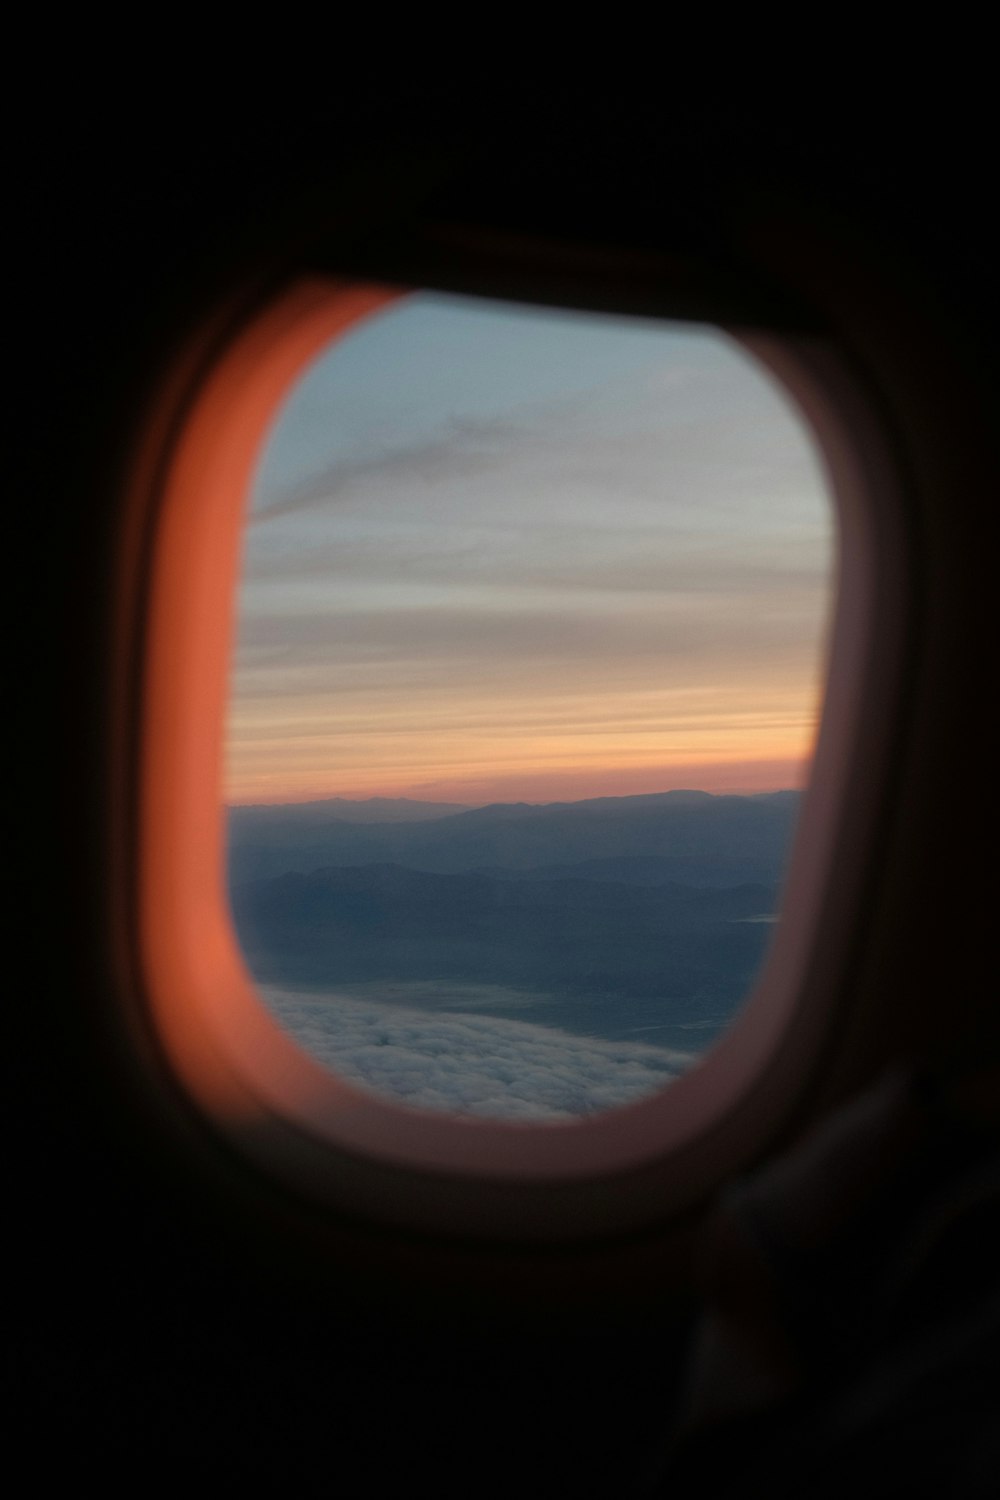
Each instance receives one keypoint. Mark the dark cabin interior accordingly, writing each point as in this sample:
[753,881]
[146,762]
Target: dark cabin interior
[829,1323]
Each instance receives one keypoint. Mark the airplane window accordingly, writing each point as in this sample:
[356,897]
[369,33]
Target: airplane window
[530,650]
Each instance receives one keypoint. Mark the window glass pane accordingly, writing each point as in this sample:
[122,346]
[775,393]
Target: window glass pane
[530,650]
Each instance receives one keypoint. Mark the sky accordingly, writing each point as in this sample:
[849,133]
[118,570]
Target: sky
[508,554]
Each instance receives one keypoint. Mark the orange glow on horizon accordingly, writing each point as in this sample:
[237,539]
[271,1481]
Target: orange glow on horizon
[622,745]
[739,777]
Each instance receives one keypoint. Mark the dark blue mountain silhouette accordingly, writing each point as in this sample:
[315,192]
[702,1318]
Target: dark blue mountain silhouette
[697,838]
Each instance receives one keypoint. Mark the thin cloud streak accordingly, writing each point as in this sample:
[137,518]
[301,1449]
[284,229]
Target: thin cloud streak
[524,639]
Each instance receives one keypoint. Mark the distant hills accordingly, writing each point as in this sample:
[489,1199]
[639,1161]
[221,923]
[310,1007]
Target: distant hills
[344,810]
[697,838]
[623,918]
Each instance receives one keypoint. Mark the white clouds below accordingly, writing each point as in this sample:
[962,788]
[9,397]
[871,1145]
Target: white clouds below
[472,1065]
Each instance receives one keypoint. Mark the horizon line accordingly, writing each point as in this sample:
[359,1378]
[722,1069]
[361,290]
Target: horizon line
[516,802]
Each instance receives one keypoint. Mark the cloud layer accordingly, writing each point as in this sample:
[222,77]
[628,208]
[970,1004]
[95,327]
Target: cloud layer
[471,1064]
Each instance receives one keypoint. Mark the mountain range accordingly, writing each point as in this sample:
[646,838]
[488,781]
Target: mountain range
[621,918]
[699,839]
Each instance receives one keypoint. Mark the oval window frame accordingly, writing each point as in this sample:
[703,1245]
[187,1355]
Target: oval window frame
[233,1062]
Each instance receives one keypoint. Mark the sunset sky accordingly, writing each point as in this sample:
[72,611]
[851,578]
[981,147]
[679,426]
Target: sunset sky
[509,555]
